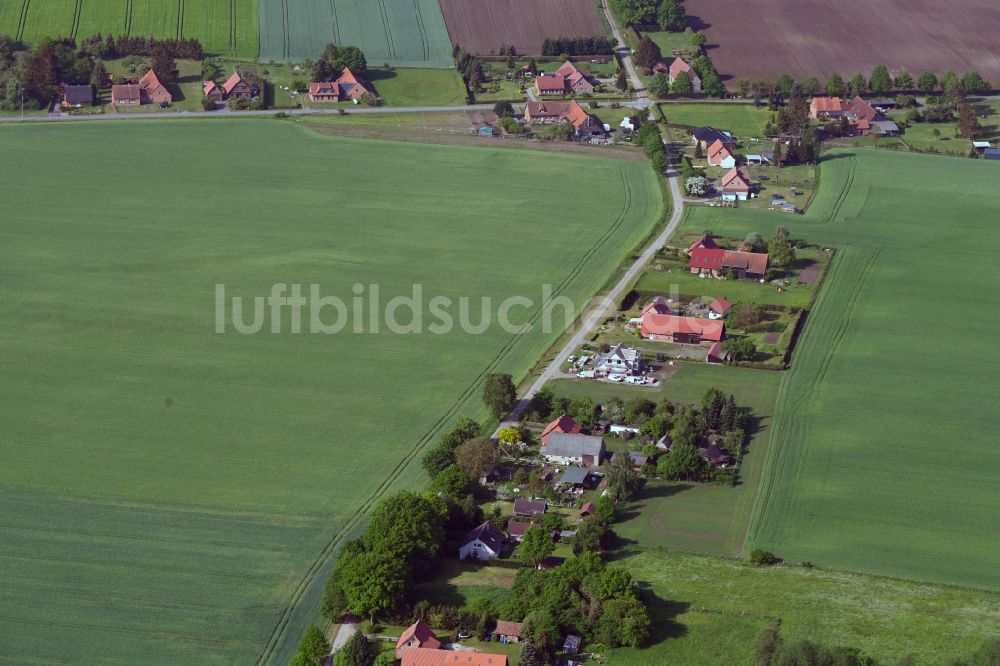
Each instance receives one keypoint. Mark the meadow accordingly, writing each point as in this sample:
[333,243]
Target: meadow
[402,33]
[710,610]
[170,494]
[884,452]
[743,120]
[224,27]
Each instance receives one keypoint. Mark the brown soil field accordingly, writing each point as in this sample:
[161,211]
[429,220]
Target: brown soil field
[482,26]
[768,38]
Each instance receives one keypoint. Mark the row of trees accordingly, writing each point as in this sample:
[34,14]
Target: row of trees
[470,67]
[109,47]
[880,83]
[665,14]
[599,45]
[335,58]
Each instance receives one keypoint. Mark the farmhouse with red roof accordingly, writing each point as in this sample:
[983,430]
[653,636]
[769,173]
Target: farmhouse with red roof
[564,424]
[236,87]
[716,261]
[126,94]
[417,635]
[679,65]
[568,79]
[719,155]
[683,330]
[428,657]
[826,107]
[212,91]
[345,87]
[547,113]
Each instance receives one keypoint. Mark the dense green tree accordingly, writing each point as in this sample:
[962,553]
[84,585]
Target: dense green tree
[454,482]
[968,122]
[98,74]
[711,84]
[162,62]
[731,415]
[357,651]
[974,83]
[712,404]
[536,545]
[835,86]
[754,242]
[385,659]
[541,404]
[647,53]
[621,80]
[589,537]
[410,526]
[623,623]
[584,412]
[614,410]
[340,57]
[638,409]
[372,581]
[785,85]
[503,109]
[499,394]
[881,81]
[530,655]
[697,40]
[41,75]
[903,81]
[313,646]
[858,84]
[671,16]
[623,481]
[437,460]
[682,463]
[659,85]
[927,82]
[323,71]
[741,349]
[949,82]
[635,12]
[810,86]
[477,457]
[780,252]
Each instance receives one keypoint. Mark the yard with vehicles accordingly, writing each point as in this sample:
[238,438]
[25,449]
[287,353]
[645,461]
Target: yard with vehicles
[223,28]
[748,39]
[868,413]
[170,493]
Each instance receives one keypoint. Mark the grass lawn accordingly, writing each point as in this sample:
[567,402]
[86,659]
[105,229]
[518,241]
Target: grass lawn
[868,469]
[922,137]
[418,87]
[710,611]
[693,517]
[668,42]
[168,493]
[743,120]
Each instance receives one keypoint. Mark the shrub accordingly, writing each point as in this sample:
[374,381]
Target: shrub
[762,558]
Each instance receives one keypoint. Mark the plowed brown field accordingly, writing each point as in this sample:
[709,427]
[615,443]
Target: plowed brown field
[482,26]
[767,38]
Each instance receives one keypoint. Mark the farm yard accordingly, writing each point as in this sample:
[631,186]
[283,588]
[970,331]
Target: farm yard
[402,33]
[483,27]
[170,494]
[868,467]
[765,39]
[224,27]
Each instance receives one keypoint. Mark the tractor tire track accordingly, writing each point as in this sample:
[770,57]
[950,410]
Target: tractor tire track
[848,186]
[286,34]
[77,13]
[336,22]
[180,18]
[128,17]
[422,30]
[22,20]
[321,561]
[778,449]
[390,45]
[232,25]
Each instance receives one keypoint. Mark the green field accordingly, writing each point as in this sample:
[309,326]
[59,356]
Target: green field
[403,33]
[710,611]
[884,454]
[173,495]
[743,120]
[694,517]
[224,27]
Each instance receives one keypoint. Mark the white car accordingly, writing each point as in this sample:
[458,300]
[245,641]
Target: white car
[572,359]
[616,378]
[586,374]
[635,380]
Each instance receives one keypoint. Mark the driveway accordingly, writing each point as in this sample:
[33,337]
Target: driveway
[344,634]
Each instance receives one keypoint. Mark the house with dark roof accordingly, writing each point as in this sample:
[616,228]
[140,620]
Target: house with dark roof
[635,457]
[126,94]
[716,455]
[77,96]
[574,477]
[530,508]
[619,360]
[572,644]
[564,449]
[483,543]
[706,136]
[517,528]
[417,635]
[717,354]
[588,510]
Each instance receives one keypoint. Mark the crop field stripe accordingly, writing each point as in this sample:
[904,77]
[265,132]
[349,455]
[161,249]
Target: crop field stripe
[286,34]
[388,31]
[232,25]
[77,12]
[180,18]
[336,21]
[789,407]
[411,455]
[128,16]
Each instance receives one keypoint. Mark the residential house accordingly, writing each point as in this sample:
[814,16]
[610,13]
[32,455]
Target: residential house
[719,308]
[716,455]
[483,543]
[659,305]
[736,185]
[619,360]
[564,423]
[717,354]
[826,107]
[564,449]
[883,105]
[716,262]
[981,146]
[575,80]
[661,67]
[679,65]
[153,90]
[418,635]
[508,632]
[550,84]
[530,508]
[346,87]
[861,115]
[544,113]
[428,657]
[212,91]
[720,156]
[706,242]
[681,330]
[517,528]
[885,128]
[236,87]
[635,457]
[77,96]
[706,136]
[588,510]
[761,158]
[126,94]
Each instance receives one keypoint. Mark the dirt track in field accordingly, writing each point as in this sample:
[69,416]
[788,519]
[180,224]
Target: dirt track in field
[482,26]
[767,38]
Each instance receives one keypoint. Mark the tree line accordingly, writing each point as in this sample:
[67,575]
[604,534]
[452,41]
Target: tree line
[667,15]
[571,46]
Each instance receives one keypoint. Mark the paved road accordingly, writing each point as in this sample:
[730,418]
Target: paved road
[626,57]
[344,634]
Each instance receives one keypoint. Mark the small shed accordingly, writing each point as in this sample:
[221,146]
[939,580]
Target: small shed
[588,510]
[575,477]
[572,644]
[508,632]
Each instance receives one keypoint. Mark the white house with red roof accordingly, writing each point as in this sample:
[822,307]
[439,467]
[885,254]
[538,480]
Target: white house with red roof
[736,185]
[719,308]
[564,424]
[417,635]
[346,87]
[680,65]
[719,155]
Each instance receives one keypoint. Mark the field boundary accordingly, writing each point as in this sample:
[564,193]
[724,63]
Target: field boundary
[328,550]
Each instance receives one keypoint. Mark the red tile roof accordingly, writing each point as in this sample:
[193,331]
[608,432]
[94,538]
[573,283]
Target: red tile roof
[232,82]
[505,628]
[422,632]
[710,258]
[550,82]
[735,180]
[707,329]
[751,262]
[658,305]
[209,86]
[154,89]
[720,306]
[569,111]
[516,528]
[571,74]
[827,104]
[425,657]
[716,354]
[678,66]
[861,109]
[588,509]
[129,91]
[564,423]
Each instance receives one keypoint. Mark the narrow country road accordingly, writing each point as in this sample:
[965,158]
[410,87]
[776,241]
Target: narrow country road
[625,55]
[344,634]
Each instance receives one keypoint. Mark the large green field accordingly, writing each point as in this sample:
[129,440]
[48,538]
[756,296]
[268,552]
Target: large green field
[710,610]
[224,27]
[885,456]
[170,494]
[403,33]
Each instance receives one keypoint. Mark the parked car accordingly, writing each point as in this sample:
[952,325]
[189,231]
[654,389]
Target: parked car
[572,359]
[616,378]
[586,374]
[635,380]
[462,635]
